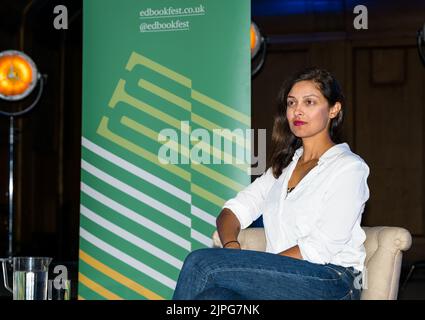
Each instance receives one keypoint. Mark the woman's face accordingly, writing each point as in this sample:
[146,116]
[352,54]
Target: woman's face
[308,110]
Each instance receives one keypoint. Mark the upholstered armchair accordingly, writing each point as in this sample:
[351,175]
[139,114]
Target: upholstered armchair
[384,252]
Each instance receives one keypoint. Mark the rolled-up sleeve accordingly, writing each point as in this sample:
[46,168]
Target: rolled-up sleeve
[247,205]
[343,205]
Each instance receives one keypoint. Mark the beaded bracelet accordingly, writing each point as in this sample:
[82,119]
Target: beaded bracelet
[224,245]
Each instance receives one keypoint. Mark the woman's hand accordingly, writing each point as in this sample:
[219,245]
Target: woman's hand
[232,245]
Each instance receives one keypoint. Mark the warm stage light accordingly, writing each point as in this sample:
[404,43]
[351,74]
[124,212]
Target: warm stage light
[256,40]
[18,75]
[258,49]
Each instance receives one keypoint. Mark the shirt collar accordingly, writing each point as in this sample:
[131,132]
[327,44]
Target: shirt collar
[329,154]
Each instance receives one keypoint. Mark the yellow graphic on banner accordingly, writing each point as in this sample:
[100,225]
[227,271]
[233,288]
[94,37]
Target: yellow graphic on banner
[99,289]
[118,277]
[120,95]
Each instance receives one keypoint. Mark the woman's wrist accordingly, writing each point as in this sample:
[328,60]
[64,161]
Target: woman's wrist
[232,244]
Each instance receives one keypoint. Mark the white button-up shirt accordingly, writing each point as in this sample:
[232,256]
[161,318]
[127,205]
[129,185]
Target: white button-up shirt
[321,215]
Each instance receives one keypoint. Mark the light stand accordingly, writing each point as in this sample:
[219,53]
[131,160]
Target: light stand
[18,78]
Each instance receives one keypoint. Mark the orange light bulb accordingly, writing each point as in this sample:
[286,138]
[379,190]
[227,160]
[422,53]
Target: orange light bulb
[253,37]
[17,75]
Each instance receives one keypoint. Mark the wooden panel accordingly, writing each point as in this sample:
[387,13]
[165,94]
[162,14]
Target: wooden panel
[333,57]
[68,219]
[278,67]
[389,135]
[388,66]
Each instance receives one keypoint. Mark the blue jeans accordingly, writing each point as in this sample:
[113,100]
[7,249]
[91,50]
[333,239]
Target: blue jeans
[229,274]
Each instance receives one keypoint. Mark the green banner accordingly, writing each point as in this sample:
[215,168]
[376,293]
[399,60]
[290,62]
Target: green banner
[165,140]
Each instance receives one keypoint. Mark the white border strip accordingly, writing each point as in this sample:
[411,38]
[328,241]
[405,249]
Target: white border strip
[134,216]
[142,244]
[201,238]
[138,195]
[204,216]
[139,172]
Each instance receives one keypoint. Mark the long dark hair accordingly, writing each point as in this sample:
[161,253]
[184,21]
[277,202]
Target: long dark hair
[284,142]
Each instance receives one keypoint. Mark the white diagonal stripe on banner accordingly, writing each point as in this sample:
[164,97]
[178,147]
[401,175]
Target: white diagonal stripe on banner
[136,194]
[201,238]
[102,245]
[134,216]
[139,172]
[201,214]
[164,256]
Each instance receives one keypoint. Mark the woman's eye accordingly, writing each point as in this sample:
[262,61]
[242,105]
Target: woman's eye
[310,102]
[290,103]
